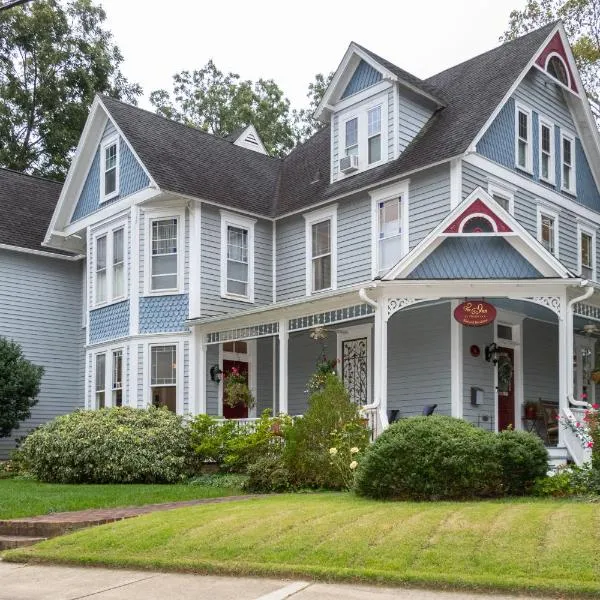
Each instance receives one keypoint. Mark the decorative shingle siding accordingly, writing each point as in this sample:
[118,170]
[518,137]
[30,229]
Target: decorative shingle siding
[162,314]
[475,258]
[364,76]
[429,201]
[109,322]
[40,308]
[132,178]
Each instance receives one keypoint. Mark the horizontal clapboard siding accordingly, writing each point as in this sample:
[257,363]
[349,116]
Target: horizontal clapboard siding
[291,258]
[412,116]
[354,240]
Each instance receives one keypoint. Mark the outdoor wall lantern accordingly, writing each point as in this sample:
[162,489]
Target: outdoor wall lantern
[491,353]
[215,373]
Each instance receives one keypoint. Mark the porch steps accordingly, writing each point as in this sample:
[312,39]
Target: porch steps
[558,457]
[8,542]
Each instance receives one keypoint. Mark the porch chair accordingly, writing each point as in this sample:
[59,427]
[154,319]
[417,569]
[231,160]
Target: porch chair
[549,416]
[428,409]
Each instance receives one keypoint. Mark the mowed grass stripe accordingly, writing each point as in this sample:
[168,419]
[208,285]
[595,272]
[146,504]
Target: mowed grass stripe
[543,546]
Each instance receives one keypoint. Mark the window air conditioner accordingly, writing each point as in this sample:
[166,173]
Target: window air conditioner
[348,164]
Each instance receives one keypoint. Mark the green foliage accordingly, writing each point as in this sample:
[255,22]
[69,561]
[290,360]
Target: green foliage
[269,474]
[569,481]
[331,420]
[306,125]
[54,57]
[19,386]
[581,19]
[230,445]
[219,480]
[430,458]
[111,445]
[523,459]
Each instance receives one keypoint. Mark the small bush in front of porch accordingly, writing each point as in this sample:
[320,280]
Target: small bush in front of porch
[431,458]
[111,445]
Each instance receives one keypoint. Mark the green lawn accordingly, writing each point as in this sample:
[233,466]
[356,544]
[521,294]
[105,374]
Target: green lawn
[22,498]
[535,546]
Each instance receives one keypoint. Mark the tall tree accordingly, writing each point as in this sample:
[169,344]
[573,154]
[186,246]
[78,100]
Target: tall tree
[54,56]
[220,103]
[582,24]
[304,122]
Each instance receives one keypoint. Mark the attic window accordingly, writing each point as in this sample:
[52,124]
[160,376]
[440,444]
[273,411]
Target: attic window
[109,179]
[477,224]
[556,67]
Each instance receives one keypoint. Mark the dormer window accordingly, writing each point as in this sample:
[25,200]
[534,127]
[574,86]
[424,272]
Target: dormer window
[109,178]
[374,133]
[523,138]
[352,137]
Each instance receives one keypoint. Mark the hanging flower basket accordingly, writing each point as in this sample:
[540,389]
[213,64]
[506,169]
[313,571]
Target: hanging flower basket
[595,376]
[236,390]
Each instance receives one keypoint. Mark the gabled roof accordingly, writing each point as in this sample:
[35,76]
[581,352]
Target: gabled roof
[26,206]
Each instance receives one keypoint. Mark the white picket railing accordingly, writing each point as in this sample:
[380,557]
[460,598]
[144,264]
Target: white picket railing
[574,437]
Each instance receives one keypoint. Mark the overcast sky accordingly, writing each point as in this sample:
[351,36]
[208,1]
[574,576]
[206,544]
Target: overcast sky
[290,41]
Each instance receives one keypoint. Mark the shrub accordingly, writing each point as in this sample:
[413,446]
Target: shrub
[220,480]
[269,474]
[569,481]
[523,459]
[429,458]
[332,420]
[112,445]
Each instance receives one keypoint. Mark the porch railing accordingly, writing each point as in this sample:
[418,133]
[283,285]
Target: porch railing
[575,435]
[250,422]
[373,418]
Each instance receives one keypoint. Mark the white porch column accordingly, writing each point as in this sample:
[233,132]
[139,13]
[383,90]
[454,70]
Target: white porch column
[197,400]
[456,364]
[283,365]
[380,360]
[201,371]
[565,361]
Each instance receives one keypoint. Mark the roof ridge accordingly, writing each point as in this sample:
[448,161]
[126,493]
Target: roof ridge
[548,26]
[382,58]
[189,127]
[8,170]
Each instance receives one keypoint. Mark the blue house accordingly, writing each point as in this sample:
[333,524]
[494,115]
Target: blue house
[417,201]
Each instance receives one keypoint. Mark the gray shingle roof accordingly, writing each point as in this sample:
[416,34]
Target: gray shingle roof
[185,160]
[26,207]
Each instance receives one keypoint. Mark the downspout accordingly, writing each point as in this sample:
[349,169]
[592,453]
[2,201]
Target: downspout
[589,290]
[362,294]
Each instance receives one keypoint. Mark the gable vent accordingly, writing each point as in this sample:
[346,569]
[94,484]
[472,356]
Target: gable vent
[251,139]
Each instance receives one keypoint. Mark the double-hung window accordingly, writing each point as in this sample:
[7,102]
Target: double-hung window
[100,380]
[237,257]
[548,229]
[321,256]
[109,181]
[109,270]
[546,151]
[164,257]
[587,253]
[163,376]
[523,138]
[567,144]
[117,377]
[390,241]
[351,136]
[374,134]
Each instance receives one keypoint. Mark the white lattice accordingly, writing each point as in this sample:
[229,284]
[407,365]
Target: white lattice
[338,315]
[551,302]
[255,331]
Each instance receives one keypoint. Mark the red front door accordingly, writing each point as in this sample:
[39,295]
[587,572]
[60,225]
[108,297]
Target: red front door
[506,388]
[239,411]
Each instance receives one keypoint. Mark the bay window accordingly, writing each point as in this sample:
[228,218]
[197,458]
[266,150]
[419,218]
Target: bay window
[546,151]
[100,380]
[164,258]
[109,267]
[163,376]
[109,179]
[117,377]
[101,273]
[118,261]
[237,257]
[321,255]
[568,163]
[523,138]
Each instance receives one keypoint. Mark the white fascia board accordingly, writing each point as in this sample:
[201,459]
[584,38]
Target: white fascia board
[41,253]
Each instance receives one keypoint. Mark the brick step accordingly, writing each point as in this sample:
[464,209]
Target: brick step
[45,529]
[18,541]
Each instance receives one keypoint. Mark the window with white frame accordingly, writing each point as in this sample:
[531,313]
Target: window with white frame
[163,376]
[390,243]
[109,270]
[110,169]
[548,230]
[523,138]
[567,145]
[164,257]
[546,151]
[351,137]
[321,233]
[117,377]
[502,195]
[374,134]
[587,253]
[237,257]
[100,380]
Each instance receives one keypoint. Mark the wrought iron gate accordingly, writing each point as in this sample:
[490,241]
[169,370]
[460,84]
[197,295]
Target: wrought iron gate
[355,369]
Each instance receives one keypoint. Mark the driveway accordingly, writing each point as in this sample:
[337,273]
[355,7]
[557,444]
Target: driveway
[37,582]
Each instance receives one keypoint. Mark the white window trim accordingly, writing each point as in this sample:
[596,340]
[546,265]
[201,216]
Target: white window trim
[543,121]
[234,220]
[179,374]
[109,141]
[592,233]
[351,333]
[499,189]
[108,231]
[317,216]
[548,212]
[361,114]
[149,218]
[399,190]
[108,374]
[528,168]
[564,135]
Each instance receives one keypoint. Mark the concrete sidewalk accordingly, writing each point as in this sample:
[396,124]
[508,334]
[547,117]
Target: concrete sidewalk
[36,582]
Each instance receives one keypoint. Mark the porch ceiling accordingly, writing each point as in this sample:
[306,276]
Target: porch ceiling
[522,307]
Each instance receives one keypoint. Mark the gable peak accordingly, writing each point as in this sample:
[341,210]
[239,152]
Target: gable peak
[248,138]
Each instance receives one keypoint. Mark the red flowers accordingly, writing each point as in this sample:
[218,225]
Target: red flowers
[595,406]
[590,444]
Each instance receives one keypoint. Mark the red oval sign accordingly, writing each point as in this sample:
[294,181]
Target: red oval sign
[475,313]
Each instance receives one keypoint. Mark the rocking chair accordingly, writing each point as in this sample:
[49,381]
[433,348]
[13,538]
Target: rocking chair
[550,418]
